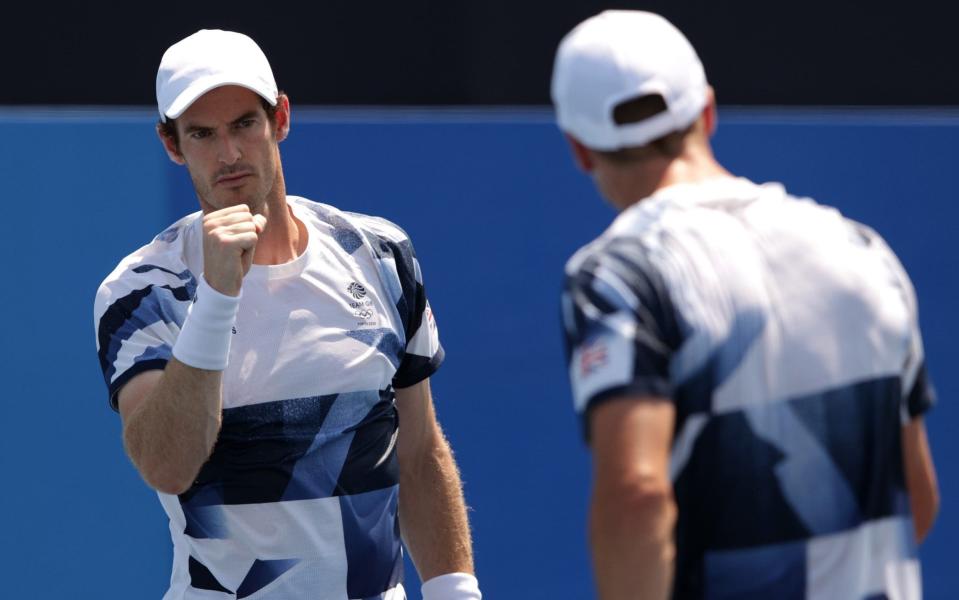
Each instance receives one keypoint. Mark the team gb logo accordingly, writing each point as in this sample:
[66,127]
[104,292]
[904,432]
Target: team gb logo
[356,290]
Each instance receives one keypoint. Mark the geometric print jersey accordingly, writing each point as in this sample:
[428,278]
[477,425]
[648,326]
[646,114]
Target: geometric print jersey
[299,497]
[787,338]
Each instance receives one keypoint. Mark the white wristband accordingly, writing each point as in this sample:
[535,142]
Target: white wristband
[452,586]
[204,340]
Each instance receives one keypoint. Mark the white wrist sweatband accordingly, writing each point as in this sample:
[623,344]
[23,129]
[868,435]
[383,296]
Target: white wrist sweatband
[204,340]
[452,586]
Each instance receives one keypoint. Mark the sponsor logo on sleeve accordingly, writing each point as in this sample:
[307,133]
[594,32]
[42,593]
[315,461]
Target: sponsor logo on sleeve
[592,357]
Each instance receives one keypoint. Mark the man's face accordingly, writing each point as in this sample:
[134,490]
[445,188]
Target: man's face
[230,148]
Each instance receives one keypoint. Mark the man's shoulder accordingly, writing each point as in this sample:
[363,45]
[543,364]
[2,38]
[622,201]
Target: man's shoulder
[162,261]
[686,211]
[636,227]
[167,248]
[622,241]
[370,225]
[581,259]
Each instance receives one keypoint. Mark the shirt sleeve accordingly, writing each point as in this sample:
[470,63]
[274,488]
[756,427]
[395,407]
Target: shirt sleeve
[138,312]
[620,328]
[424,353]
[918,394]
[400,272]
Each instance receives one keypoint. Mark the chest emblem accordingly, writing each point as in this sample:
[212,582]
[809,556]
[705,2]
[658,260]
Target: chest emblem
[356,290]
[362,306]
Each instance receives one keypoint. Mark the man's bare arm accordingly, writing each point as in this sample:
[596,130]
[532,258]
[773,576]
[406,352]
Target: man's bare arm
[432,510]
[171,420]
[920,477]
[632,511]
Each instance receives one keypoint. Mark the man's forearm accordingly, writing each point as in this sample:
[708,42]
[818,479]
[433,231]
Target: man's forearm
[171,431]
[171,419]
[432,510]
[631,534]
[920,477]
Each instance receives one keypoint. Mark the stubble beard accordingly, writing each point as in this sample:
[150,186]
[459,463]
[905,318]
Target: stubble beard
[212,199]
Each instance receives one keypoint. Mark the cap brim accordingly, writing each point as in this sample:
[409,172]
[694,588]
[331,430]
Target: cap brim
[192,93]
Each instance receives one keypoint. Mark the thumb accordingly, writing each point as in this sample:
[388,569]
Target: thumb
[259,221]
[246,260]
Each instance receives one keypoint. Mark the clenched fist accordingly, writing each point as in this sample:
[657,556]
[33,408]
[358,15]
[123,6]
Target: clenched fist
[229,239]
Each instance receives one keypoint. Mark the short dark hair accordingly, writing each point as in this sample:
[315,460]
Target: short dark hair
[638,109]
[168,128]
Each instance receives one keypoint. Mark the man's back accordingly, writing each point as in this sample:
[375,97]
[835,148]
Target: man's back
[787,338]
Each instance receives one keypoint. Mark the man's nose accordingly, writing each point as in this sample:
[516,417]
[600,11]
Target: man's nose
[228,151]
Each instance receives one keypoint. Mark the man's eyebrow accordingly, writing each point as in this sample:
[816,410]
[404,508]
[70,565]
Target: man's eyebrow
[247,115]
[191,127]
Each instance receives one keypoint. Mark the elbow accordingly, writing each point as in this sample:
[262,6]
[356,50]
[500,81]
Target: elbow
[924,514]
[167,480]
[169,485]
[641,505]
[160,471]
[631,535]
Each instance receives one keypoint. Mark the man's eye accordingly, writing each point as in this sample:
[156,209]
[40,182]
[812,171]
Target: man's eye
[246,123]
[200,134]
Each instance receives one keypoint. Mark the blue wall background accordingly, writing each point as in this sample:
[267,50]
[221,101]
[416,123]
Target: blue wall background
[494,207]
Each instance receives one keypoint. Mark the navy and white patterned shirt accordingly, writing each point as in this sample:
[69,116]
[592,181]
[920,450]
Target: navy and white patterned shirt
[299,498]
[787,338]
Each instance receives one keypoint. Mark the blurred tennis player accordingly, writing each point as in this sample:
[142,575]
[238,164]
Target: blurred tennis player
[261,353]
[747,365]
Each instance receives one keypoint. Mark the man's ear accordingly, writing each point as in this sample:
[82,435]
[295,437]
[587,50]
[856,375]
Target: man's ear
[169,144]
[282,117]
[710,115]
[581,154]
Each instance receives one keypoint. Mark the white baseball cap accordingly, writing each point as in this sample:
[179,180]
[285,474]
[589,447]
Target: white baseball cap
[209,59]
[620,55]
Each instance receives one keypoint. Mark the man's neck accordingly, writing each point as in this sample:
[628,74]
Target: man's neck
[644,181]
[701,169]
[284,237]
